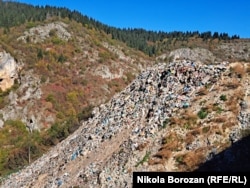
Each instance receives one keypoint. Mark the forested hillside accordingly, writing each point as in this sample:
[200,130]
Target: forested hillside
[13,14]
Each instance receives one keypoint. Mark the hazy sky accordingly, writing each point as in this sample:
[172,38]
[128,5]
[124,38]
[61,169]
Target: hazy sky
[232,17]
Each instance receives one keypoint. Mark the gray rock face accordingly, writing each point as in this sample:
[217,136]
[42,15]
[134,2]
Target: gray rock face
[21,103]
[105,72]
[1,123]
[8,71]
[118,52]
[196,54]
[40,33]
[235,50]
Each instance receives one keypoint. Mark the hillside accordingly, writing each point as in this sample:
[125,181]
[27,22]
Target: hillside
[151,43]
[83,103]
[61,70]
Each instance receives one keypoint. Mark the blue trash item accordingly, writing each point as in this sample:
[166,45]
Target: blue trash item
[59,182]
[105,122]
[185,105]
[186,89]
[74,155]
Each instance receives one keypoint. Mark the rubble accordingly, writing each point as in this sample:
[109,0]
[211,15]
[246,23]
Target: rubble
[128,120]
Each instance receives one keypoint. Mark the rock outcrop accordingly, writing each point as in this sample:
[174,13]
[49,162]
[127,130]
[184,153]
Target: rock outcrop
[22,101]
[40,33]
[196,54]
[8,71]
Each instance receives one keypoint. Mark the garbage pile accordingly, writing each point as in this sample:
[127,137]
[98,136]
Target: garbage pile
[142,109]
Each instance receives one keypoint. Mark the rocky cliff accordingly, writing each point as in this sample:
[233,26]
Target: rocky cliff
[8,71]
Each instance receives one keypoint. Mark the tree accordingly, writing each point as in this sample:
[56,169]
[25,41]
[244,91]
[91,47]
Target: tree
[40,54]
[215,35]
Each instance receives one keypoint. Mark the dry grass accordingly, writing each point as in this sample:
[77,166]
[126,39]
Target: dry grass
[215,129]
[220,119]
[171,143]
[239,94]
[229,123]
[142,146]
[155,161]
[206,129]
[239,70]
[189,139]
[232,103]
[231,84]
[196,98]
[170,137]
[186,119]
[191,160]
[191,135]
[175,145]
[194,159]
[190,116]
[209,108]
[195,132]
[163,154]
[175,121]
[234,108]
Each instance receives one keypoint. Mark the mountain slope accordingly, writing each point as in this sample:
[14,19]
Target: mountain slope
[150,42]
[64,70]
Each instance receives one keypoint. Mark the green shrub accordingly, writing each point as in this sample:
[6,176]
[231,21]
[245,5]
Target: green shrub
[62,58]
[223,97]
[40,54]
[165,122]
[57,41]
[50,98]
[43,79]
[202,114]
[30,25]
[85,114]
[52,33]
[219,110]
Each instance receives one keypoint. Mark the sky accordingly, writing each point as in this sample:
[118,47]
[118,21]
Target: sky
[232,17]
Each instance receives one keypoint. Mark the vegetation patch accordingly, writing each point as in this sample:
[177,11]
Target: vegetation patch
[18,146]
[223,97]
[144,159]
[202,114]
